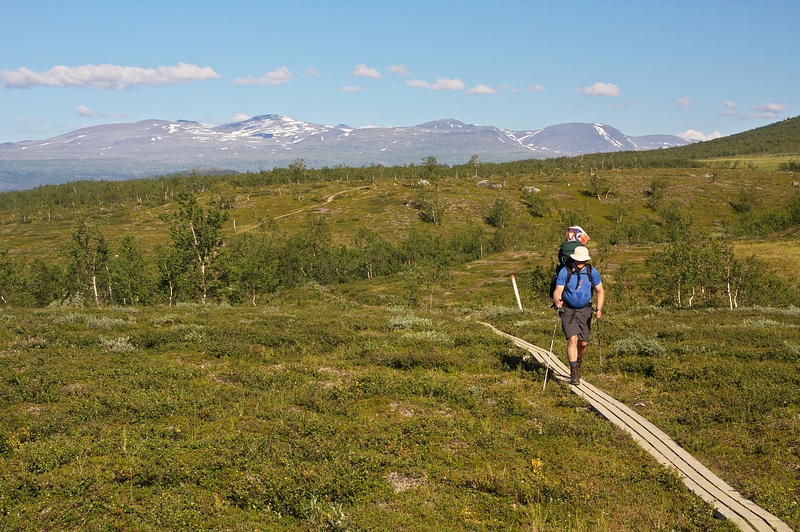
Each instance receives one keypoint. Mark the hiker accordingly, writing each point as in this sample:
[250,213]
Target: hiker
[573,300]
[575,237]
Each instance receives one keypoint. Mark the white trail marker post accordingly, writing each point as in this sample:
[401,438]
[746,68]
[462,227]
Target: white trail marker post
[516,292]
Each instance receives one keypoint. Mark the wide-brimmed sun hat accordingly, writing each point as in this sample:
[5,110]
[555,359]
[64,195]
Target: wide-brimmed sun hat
[581,254]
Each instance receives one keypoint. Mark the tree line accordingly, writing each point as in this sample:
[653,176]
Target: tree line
[200,266]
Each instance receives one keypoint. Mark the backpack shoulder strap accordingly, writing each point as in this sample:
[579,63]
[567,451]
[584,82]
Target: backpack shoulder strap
[588,271]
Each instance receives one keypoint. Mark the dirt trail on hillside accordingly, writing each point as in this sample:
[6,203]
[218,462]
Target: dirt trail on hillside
[328,199]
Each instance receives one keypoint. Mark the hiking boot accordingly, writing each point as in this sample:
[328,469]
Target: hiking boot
[574,377]
[578,370]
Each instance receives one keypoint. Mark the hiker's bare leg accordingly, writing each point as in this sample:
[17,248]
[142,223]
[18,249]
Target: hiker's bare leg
[580,349]
[572,348]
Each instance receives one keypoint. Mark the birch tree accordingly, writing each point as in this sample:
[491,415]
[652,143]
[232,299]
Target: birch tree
[8,279]
[195,233]
[87,254]
[129,274]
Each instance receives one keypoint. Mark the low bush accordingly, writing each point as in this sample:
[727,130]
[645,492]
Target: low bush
[638,345]
[408,322]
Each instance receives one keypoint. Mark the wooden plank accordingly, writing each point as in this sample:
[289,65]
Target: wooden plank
[728,502]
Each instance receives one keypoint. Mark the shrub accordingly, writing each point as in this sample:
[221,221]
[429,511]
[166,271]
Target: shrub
[427,358]
[792,166]
[408,322]
[536,203]
[638,345]
[500,214]
[330,517]
[433,337]
[117,345]
[498,311]
[75,300]
[99,322]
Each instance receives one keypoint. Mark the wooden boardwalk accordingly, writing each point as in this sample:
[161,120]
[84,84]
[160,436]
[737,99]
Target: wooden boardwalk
[728,503]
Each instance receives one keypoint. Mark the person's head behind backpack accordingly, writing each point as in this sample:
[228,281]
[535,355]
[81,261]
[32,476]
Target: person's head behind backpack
[577,234]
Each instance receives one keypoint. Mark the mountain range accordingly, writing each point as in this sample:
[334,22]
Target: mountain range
[157,147]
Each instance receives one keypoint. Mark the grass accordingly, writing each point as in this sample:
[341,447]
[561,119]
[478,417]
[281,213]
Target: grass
[780,252]
[340,408]
[318,412]
[723,384]
[762,162]
[384,205]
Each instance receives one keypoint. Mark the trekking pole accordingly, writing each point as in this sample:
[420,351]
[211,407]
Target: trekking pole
[599,347]
[547,360]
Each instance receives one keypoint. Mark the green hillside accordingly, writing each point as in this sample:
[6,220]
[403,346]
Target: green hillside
[776,146]
[300,349]
[780,138]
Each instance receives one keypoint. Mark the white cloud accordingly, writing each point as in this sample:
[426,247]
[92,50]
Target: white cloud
[730,109]
[770,108]
[766,110]
[536,88]
[399,70]
[351,88]
[602,89]
[480,88]
[685,102]
[441,84]
[82,110]
[507,88]
[105,76]
[363,71]
[276,77]
[312,72]
[241,117]
[691,134]
[418,83]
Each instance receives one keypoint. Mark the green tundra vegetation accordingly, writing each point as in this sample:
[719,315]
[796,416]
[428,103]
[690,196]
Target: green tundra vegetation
[301,349]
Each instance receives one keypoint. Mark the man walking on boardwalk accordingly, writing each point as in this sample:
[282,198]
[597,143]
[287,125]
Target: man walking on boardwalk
[572,297]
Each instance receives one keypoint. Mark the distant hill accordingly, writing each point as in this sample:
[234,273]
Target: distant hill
[157,147]
[780,138]
[114,152]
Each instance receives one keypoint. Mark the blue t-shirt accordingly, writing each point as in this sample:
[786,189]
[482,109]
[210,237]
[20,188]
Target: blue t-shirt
[578,293]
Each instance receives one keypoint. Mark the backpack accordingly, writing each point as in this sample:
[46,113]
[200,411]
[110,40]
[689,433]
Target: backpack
[569,274]
[564,251]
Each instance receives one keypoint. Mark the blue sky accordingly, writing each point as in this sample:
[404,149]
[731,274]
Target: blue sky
[699,69]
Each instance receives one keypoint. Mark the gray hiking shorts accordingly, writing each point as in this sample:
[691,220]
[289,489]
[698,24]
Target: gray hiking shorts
[576,322]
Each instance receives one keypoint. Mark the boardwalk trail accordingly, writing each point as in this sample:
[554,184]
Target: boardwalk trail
[728,503]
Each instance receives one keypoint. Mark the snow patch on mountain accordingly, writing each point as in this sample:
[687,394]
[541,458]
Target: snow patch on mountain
[153,147]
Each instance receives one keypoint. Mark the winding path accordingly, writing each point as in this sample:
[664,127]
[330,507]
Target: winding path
[728,503]
[328,199]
